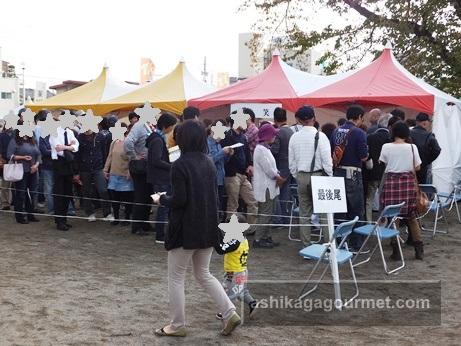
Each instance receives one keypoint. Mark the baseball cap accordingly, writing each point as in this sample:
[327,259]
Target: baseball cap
[305,113]
[423,117]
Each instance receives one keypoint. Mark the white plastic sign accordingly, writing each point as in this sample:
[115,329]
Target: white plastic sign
[262,110]
[328,194]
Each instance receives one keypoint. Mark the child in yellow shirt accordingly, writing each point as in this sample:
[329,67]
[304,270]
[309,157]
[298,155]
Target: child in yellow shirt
[236,273]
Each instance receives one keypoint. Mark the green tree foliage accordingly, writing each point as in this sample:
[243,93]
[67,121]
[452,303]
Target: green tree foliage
[425,34]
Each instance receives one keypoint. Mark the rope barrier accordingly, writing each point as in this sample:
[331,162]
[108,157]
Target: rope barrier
[280,216]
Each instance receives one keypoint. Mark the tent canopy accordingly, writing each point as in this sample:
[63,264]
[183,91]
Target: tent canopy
[385,82]
[87,96]
[278,83]
[169,93]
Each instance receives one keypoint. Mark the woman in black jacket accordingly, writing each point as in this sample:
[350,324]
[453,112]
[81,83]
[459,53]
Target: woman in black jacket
[159,166]
[193,228]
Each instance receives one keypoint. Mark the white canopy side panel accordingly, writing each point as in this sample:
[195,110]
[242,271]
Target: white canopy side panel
[304,83]
[446,170]
[114,87]
[193,87]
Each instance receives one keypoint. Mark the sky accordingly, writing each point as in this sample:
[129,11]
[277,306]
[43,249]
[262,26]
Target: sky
[59,40]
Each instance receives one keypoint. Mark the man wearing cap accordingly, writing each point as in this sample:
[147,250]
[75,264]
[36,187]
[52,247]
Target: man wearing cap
[428,146]
[350,149]
[305,161]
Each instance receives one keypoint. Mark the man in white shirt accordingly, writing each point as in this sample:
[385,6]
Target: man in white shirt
[309,154]
[61,143]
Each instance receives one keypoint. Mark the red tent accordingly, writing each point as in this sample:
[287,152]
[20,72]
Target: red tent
[278,83]
[383,82]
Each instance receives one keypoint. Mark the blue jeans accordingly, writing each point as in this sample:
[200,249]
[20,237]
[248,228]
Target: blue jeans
[355,203]
[48,180]
[162,213]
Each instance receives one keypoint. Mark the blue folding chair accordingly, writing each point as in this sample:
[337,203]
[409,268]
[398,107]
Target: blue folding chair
[295,213]
[436,206]
[321,253]
[383,228]
[454,197]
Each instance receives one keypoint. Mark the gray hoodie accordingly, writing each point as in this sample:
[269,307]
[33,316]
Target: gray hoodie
[135,142]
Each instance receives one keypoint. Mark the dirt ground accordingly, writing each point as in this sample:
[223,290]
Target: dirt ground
[100,285]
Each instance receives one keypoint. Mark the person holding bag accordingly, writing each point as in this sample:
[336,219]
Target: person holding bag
[193,229]
[400,185]
[24,149]
[64,145]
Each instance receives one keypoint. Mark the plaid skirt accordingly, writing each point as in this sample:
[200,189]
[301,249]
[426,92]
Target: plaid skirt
[398,188]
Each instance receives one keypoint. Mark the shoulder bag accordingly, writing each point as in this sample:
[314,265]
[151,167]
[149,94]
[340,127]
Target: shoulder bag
[316,144]
[338,151]
[13,171]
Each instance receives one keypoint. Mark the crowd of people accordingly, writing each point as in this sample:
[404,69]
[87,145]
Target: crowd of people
[254,178]
[250,172]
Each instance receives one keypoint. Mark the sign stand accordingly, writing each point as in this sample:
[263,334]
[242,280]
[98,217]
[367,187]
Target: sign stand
[334,263]
[329,196]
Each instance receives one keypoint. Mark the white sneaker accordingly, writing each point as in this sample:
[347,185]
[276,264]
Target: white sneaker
[109,217]
[92,218]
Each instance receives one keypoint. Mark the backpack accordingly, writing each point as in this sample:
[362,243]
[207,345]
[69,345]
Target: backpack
[338,151]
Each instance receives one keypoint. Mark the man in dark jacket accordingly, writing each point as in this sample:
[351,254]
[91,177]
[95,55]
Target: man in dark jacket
[105,137]
[372,178]
[428,146]
[158,168]
[280,151]
[90,162]
[236,168]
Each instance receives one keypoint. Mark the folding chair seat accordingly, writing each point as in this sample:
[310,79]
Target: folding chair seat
[315,252]
[383,228]
[321,254]
[384,233]
[436,206]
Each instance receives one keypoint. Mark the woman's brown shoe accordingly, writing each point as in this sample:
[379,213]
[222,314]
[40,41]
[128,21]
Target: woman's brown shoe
[181,332]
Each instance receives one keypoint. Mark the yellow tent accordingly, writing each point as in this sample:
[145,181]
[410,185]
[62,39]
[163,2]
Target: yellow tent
[169,93]
[87,96]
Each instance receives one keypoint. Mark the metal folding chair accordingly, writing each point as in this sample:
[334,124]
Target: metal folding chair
[294,210]
[384,228]
[454,197]
[321,252]
[436,206]
[294,213]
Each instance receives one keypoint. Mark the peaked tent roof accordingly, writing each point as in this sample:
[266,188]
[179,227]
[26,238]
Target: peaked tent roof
[278,83]
[384,81]
[89,95]
[169,93]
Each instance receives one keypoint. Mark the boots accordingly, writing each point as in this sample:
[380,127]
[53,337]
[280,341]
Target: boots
[409,241]
[419,250]
[395,251]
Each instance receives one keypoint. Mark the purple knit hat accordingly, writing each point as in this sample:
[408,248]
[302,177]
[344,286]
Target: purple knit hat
[267,132]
